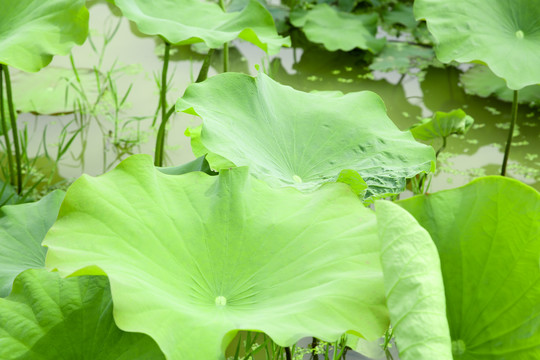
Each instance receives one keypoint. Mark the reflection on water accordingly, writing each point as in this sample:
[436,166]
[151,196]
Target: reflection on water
[136,62]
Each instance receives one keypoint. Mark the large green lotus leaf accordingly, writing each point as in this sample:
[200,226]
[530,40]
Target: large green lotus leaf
[193,258]
[22,229]
[50,318]
[33,31]
[488,237]
[191,21]
[338,30]
[414,285]
[291,138]
[443,124]
[504,34]
[480,80]
[51,91]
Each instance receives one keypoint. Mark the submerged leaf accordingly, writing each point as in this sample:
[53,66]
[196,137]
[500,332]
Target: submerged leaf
[193,258]
[33,31]
[504,34]
[414,285]
[338,30]
[49,318]
[183,22]
[402,57]
[488,237]
[442,125]
[22,229]
[481,81]
[291,138]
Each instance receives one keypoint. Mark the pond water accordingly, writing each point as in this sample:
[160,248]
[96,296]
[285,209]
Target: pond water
[113,133]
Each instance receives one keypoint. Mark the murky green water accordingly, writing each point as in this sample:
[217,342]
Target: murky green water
[104,140]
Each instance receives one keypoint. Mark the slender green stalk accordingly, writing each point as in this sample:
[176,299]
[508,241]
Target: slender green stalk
[5,128]
[441,148]
[288,355]
[203,73]
[225,57]
[160,141]
[510,132]
[14,129]
[226,45]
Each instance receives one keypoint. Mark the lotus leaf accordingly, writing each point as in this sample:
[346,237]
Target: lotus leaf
[504,34]
[291,138]
[33,31]
[199,164]
[191,21]
[481,81]
[51,91]
[193,258]
[22,229]
[443,124]
[488,237]
[49,318]
[400,13]
[414,285]
[338,30]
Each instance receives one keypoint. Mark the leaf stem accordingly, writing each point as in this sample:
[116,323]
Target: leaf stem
[5,128]
[203,73]
[160,140]
[510,132]
[14,129]
[288,355]
[225,45]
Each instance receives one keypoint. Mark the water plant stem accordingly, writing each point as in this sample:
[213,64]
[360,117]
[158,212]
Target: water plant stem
[14,129]
[441,148]
[160,140]
[225,45]
[510,132]
[5,128]
[288,354]
[203,73]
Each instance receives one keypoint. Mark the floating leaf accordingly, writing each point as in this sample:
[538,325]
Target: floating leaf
[33,31]
[193,258]
[504,34]
[183,22]
[338,30]
[414,286]
[488,237]
[51,90]
[49,318]
[481,81]
[291,138]
[22,229]
[443,124]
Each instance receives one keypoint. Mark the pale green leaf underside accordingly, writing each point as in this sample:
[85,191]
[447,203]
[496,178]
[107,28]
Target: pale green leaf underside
[33,31]
[481,81]
[338,30]
[50,318]
[291,138]
[22,229]
[192,258]
[190,21]
[504,34]
[414,285]
[488,237]
[442,125]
